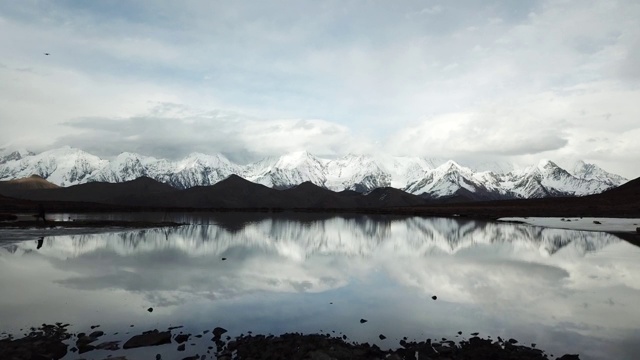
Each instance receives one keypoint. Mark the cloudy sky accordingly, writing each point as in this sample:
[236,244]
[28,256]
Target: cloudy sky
[467,80]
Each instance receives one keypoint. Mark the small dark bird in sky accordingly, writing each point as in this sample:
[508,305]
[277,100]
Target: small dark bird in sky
[46,54]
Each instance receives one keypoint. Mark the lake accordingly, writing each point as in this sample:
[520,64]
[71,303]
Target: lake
[566,291]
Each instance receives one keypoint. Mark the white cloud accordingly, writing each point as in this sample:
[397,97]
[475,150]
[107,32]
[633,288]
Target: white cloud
[173,130]
[520,80]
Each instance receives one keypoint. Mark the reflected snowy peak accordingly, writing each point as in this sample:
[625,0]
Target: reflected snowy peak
[359,236]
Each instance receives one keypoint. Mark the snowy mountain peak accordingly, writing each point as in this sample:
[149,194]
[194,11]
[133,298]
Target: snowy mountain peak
[450,165]
[17,154]
[547,164]
[586,171]
[363,173]
[295,159]
[206,160]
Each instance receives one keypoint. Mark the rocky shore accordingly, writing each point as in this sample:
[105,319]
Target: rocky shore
[54,342]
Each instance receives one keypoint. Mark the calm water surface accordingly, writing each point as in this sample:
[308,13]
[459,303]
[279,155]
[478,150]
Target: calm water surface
[567,291]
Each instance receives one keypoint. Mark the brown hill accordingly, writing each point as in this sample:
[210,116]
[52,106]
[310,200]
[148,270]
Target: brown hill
[7,188]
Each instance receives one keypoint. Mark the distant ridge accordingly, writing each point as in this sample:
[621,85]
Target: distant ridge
[435,180]
[236,193]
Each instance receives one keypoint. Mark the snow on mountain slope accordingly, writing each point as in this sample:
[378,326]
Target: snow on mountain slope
[548,179]
[125,167]
[585,171]
[450,179]
[290,170]
[363,173]
[8,155]
[64,166]
[198,170]
[356,172]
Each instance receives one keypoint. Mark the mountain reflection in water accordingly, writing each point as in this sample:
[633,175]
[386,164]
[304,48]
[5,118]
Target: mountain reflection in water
[571,291]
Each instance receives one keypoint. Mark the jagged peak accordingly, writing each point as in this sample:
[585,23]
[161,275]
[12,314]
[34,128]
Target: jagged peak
[546,163]
[214,159]
[451,165]
[65,151]
[127,155]
[296,158]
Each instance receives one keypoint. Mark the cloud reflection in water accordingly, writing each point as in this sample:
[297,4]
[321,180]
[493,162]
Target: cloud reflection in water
[553,287]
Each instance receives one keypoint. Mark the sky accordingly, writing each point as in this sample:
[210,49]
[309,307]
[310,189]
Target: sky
[473,81]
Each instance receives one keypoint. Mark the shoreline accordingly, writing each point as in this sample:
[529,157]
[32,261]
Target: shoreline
[55,342]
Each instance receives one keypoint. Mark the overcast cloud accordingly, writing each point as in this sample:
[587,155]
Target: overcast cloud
[468,80]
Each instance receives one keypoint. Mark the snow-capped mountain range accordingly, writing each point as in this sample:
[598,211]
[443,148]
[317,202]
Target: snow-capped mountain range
[362,173]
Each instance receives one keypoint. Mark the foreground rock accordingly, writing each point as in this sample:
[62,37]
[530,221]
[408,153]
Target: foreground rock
[148,338]
[48,342]
[45,342]
[321,347]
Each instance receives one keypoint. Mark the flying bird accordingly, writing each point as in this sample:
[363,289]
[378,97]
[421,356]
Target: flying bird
[46,54]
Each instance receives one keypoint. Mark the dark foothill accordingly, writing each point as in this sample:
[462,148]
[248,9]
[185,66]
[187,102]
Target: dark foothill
[382,337]
[638,230]
[158,357]
[198,336]
[475,333]
[434,297]
[150,309]
[513,341]
[597,222]
[362,321]
[149,338]
[94,326]
[181,347]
